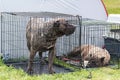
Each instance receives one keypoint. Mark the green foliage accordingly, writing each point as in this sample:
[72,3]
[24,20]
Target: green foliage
[103,73]
[115,27]
[112,6]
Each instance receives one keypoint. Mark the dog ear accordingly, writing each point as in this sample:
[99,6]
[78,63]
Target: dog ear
[56,24]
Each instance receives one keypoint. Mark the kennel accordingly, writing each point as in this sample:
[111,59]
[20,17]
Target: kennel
[13,37]
[105,35]
[102,34]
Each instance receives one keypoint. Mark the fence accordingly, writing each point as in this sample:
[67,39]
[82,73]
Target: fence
[92,32]
[13,36]
[105,35]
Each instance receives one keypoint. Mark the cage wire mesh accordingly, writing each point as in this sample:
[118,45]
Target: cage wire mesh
[14,45]
[91,32]
[13,37]
[104,35]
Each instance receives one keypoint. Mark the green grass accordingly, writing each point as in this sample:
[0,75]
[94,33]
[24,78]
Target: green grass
[104,73]
[112,6]
[115,28]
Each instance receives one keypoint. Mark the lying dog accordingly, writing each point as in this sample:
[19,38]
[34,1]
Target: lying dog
[41,36]
[91,54]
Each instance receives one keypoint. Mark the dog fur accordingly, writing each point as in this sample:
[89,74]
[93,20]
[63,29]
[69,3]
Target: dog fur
[42,35]
[95,56]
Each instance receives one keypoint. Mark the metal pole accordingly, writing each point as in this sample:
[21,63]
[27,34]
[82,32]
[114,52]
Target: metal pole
[80,33]
[1,31]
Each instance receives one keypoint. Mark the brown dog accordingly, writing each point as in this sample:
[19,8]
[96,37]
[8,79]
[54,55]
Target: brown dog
[91,54]
[41,36]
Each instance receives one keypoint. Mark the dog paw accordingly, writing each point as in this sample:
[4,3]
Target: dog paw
[29,71]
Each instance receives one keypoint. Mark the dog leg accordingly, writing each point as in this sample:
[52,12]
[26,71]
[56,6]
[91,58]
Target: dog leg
[50,60]
[30,63]
[42,60]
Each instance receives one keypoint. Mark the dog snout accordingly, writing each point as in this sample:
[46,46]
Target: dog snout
[70,29]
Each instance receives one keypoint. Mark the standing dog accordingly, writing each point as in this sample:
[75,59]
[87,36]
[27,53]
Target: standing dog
[41,36]
[91,54]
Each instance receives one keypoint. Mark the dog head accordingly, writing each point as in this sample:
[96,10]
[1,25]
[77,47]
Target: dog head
[63,27]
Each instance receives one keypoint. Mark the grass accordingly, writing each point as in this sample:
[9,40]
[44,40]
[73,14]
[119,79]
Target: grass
[115,28]
[112,6]
[104,73]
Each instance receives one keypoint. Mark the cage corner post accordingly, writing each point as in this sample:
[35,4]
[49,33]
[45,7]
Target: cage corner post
[80,34]
[0,32]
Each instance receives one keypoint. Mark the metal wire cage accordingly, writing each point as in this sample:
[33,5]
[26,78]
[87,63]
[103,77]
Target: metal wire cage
[13,37]
[91,32]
